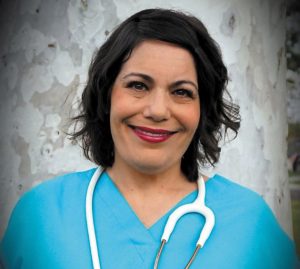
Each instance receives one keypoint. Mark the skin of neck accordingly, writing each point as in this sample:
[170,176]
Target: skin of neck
[131,179]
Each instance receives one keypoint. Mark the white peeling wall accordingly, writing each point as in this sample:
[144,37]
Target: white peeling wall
[45,50]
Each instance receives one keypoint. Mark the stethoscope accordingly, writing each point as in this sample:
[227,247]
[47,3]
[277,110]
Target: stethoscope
[197,206]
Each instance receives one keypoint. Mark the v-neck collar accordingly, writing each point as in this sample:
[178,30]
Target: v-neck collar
[127,217]
[144,241]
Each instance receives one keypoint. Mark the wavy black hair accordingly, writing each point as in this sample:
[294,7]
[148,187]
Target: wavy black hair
[217,113]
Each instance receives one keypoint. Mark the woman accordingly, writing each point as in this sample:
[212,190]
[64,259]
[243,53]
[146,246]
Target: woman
[152,114]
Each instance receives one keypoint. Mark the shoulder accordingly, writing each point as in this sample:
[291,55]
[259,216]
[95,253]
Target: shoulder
[58,187]
[226,190]
[251,223]
[63,181]
[41,217]
[51,196]
[236,202]
[241,201]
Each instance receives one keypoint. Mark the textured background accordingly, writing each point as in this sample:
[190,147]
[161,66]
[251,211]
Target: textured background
[45,50]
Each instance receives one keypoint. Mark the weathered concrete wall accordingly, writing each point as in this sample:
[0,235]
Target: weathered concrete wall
[46,47]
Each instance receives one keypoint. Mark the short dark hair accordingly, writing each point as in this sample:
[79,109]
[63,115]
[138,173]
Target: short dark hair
[186,31]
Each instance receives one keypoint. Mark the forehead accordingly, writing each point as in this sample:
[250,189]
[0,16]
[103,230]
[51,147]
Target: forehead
[158,57]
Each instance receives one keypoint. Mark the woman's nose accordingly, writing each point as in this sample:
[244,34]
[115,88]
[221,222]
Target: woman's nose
[157,105]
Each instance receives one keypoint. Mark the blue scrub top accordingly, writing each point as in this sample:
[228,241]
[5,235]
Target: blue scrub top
[47,229]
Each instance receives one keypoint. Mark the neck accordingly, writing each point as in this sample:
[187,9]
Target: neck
[130,179]
[150,195]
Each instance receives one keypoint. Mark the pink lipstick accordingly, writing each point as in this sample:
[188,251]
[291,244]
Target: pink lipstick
[152,135]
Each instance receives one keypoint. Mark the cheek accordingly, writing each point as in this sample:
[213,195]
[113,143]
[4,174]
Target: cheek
[118,105]
[197,119]
[192,118]
[115,98]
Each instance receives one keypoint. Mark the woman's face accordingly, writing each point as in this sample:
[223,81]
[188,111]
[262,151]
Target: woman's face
[155,107]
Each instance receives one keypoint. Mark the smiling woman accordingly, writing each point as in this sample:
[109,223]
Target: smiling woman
[188,37]
[152,116]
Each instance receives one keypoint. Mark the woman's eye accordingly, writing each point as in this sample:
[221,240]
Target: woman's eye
[137,85]
[184,93]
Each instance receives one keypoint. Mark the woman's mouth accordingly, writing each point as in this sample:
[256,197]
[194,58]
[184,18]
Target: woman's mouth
[152,135]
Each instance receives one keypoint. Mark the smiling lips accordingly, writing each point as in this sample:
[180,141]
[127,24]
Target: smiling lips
[152,135]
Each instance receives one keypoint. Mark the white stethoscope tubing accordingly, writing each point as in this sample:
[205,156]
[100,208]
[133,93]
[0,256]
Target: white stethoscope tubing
[90,218]
[198,206]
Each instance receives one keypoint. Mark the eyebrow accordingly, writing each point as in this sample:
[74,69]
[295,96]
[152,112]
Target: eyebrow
[179,82]
[151,80]
[143,76]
